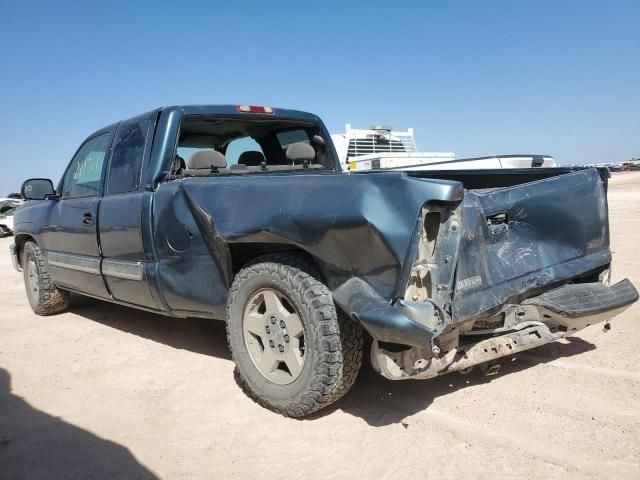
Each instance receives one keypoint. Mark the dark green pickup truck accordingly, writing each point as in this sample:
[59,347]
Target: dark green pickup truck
[241,213]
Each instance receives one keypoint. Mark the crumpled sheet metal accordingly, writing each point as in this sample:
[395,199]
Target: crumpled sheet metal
[555,229]
[358,228]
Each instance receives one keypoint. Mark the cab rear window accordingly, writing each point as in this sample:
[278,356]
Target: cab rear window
[220,146]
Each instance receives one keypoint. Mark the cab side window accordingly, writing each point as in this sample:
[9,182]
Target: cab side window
[84,175]
[125,165]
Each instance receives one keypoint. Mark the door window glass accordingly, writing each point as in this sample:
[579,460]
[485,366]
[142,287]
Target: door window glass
[84,175]
[126,158]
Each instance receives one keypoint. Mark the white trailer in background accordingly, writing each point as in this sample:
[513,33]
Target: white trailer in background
[380,147]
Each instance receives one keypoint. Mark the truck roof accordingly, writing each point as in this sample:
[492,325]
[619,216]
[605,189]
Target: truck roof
[232,109]
[222,109]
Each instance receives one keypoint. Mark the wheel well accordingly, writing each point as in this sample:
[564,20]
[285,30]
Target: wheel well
[20,239]
[243,254]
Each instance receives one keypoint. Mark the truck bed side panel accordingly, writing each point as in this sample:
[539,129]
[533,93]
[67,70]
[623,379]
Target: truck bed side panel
[355,226]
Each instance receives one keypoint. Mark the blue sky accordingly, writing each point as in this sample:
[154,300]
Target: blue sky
[472,77]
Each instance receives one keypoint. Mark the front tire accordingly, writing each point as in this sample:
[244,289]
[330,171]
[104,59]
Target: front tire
[44,297]
[294,353]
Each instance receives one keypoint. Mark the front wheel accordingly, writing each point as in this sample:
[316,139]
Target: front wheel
[295,354]
[44,297]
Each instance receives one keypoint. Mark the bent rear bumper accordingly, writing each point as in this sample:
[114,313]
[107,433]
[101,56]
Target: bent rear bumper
[580,305]
[537,321]
[13,251]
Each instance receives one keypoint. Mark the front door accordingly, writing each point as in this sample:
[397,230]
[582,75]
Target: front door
[70,237]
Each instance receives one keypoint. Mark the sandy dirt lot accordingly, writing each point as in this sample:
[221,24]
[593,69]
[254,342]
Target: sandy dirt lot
[107,392]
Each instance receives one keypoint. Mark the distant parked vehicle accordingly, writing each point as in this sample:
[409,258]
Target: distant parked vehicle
[7,208]
[625,166]
[382,148]
[6,223]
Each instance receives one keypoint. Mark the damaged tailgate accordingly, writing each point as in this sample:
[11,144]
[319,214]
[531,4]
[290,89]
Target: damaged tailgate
[529,260]
[516,242]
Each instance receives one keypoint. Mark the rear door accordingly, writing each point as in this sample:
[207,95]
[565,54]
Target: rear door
[125,263]
[70,236]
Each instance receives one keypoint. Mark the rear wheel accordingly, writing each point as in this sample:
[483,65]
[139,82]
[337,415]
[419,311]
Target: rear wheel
[295,354]
[44,297]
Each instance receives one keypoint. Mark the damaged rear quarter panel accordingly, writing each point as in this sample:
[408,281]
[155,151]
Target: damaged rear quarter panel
[358,228]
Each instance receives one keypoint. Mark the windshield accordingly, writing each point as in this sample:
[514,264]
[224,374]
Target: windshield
[8,212]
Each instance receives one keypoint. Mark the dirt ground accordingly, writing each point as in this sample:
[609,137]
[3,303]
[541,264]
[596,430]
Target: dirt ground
[107,392]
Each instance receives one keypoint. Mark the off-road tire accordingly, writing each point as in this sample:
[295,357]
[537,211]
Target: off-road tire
[48,299]
[333,341]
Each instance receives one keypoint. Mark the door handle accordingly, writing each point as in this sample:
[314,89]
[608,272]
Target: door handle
[87,218]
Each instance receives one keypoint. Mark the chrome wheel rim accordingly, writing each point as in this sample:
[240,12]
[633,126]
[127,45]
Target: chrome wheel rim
[274,336]
[32,278]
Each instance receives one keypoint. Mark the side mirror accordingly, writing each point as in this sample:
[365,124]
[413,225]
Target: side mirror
[37,189]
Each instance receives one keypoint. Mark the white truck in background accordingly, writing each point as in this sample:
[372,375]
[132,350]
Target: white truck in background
[7,209]
[381,147]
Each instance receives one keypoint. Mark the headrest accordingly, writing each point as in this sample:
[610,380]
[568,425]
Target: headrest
[251,158]
[207,159]
[300,152]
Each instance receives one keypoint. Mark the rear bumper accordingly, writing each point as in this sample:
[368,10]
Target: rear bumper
[537,321]
[580,305]
[13,251]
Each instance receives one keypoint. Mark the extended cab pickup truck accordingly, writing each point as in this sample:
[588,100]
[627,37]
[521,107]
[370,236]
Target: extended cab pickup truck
[439,270]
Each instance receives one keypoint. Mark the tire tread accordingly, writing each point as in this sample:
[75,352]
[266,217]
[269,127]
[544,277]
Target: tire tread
[51,299]
[341,338]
